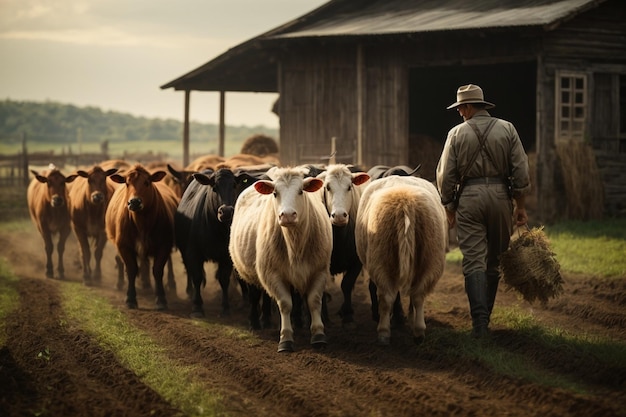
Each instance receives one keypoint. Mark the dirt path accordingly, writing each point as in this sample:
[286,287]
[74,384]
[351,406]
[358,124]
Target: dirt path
[351,377]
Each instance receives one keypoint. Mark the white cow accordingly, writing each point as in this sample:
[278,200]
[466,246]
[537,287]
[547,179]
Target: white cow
[401,238]
[281,238]
[342,193]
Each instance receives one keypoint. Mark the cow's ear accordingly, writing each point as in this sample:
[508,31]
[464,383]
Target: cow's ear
[360,178]
[310,185]
[264,187]
[39,178]
[82,173]
[118,178]
[175,173]
[201,178]
[110,172]
[158,176]
[70,178]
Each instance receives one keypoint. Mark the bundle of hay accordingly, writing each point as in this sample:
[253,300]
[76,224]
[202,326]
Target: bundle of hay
[529,266]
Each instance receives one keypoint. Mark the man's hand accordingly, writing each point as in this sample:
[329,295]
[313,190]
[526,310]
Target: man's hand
[520,216]
[451,214]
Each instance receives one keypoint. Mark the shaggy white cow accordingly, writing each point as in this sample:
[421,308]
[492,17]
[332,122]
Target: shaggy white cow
[281,238]
[401,238]
[341,195]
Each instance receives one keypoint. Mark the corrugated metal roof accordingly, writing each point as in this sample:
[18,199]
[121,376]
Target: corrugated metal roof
[410,16]
[249,66]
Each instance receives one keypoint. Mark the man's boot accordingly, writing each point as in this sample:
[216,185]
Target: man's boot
[476,289]
[492,289]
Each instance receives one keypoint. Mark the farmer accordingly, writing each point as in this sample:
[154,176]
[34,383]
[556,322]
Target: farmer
[482,168]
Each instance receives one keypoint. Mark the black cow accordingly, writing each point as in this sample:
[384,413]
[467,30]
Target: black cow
[202,227]
[381,171]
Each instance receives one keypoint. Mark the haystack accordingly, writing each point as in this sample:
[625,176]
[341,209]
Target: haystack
[530,267]
[582,182]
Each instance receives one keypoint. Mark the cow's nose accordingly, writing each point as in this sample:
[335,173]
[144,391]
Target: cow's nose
[97,197]
[287,218]
[135,204]
[57,201]
[225,213]
[339,217]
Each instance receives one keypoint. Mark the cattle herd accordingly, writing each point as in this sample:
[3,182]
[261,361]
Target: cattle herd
[281,233]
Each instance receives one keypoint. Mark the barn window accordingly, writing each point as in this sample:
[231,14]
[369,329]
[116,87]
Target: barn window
[571,106]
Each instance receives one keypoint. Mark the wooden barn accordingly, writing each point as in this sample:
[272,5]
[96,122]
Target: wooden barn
[374,77]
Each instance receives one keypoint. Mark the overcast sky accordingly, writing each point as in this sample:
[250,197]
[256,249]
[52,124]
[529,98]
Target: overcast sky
[115,54]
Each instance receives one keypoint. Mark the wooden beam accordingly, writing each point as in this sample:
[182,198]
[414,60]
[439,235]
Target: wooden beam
[222,125]
[186,130]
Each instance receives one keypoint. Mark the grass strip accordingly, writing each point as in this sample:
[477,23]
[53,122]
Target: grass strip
[9,296]
[139,352]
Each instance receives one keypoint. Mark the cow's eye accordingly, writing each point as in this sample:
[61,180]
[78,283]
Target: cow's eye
[328,188]
[300,193]
[275,194]
[349,187]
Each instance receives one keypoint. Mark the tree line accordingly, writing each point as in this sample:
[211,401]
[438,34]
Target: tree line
[52,122]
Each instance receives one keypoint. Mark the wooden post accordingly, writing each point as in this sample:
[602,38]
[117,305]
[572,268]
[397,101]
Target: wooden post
[333,151]
[222,125]
[24,160]
[186,130]
[360,69]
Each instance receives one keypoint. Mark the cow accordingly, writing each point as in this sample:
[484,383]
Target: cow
[47,199]
[140,223]
[401,238]
[244,160]
[382,171]
[341,194]
[281,239]
[89,196]
[144,264]
[377,172]
[202,224]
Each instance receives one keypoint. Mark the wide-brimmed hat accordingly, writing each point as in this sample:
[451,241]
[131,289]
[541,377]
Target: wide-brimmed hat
[470,93]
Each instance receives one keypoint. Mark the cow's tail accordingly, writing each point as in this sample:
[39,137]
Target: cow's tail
[406,245]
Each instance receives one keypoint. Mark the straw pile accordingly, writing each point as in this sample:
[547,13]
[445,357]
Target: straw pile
[529,266]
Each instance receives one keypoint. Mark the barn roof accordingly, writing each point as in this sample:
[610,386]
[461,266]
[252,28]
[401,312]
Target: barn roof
[251,66]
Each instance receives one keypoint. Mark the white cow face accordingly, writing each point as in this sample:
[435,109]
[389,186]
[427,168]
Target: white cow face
[288,189]
[339,193]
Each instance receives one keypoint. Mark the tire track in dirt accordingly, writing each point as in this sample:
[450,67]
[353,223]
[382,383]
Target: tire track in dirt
[354,377]
[47,367]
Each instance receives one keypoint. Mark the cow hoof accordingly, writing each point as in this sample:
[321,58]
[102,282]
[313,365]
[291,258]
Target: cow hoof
[87,283]
[286,346]
[131,305]
[319,341]
[419,339]
[161,306]
[384,340]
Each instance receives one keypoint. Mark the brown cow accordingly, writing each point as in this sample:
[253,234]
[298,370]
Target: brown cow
[140,222]
[401,238]
[47,198]
[89,195]
[246,160]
